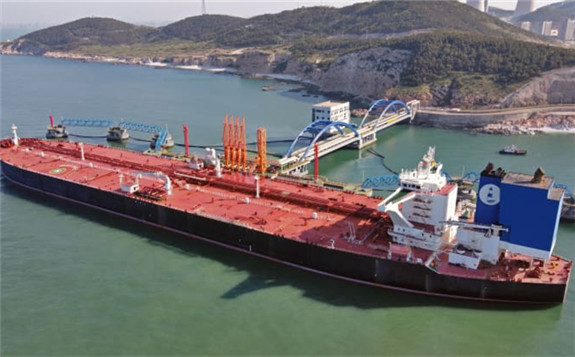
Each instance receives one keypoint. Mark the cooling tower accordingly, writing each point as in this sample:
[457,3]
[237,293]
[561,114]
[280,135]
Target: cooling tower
[524,7]
[477,4]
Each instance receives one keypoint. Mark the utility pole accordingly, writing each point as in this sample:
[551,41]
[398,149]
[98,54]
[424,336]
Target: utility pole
[203,7]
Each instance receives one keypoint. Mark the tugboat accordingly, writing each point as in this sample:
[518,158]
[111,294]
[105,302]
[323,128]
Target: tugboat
[512,150]
[117,133]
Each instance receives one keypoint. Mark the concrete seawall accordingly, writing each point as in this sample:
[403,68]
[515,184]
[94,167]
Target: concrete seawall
[474,120]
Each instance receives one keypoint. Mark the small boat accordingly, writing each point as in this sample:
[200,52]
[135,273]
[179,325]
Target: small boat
[512,150]
[117,133]
[568,209]
[56,132]
[167,144]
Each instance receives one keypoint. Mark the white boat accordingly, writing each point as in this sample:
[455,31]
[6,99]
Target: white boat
[512,150]
[568,209]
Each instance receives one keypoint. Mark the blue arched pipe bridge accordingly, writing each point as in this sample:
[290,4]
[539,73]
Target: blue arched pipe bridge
[333,135]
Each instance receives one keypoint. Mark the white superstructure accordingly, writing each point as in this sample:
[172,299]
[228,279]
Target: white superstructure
[427,218]
[332,111]
[427,176]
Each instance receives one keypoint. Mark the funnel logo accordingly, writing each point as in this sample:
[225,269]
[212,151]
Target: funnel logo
[489,194]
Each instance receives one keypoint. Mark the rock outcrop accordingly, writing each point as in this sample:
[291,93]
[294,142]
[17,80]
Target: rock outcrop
[555,87]
[538,122]
[367,74]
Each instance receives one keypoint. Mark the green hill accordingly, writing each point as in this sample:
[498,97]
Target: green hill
[372,18]
[379,17]
[198,28]
[83,32]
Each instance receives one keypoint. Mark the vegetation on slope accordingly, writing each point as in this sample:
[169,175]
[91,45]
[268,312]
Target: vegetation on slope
[510,60]
[379,17]
[436,55]
[86,31]
[198,28]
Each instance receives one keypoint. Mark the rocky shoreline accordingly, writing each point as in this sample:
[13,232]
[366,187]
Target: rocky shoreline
[539,123]
[534,123]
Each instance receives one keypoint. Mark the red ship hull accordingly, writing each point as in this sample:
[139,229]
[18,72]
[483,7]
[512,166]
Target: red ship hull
[377,271]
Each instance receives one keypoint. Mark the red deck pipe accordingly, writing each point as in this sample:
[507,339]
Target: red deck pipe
[316,162]
[51,121]
[244,144]
[226,142]
[186,140]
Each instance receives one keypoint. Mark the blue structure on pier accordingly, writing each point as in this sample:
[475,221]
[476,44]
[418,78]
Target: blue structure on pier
[94,123]
[386,181]
[146,128]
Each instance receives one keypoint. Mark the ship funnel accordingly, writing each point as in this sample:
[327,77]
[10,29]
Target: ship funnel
[538,176]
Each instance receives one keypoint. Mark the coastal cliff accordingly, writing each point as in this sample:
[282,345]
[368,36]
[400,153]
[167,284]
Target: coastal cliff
[555,87]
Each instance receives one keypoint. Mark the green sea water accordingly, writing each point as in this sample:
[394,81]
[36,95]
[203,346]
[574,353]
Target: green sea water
[76,282]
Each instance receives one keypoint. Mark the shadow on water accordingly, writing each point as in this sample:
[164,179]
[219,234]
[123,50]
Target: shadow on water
[265,274]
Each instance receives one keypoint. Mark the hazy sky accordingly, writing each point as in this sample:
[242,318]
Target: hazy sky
[49,12]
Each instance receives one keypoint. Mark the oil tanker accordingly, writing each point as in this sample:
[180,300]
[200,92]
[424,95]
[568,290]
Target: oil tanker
[414,240]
